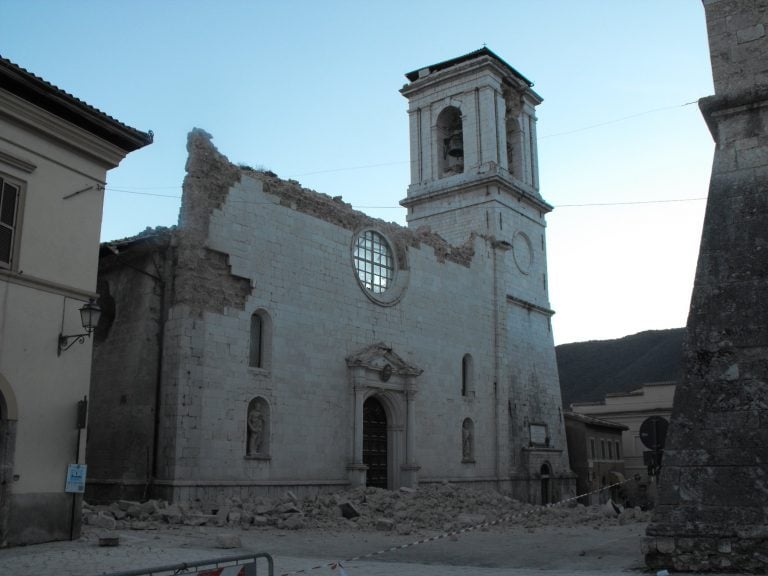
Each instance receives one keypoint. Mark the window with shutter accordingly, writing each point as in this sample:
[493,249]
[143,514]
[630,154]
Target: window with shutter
[9,204]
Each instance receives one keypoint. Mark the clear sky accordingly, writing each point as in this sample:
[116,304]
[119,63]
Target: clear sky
[309,90]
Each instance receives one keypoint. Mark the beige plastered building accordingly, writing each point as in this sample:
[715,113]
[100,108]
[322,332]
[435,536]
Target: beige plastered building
[632,409]
[55,151]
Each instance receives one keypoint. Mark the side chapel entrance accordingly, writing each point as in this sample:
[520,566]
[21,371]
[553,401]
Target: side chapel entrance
[375,443]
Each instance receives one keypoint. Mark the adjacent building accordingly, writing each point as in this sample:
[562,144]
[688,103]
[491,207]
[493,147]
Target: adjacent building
[278,339]
[596,457]
[631,409]
[55,151]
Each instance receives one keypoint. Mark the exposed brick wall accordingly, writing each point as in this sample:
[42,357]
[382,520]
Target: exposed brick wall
[203,278]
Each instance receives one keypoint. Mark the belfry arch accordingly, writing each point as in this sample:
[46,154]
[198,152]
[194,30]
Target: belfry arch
[384,392]
[449,133]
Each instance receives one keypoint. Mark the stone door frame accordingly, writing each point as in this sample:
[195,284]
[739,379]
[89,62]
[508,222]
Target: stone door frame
[376,371]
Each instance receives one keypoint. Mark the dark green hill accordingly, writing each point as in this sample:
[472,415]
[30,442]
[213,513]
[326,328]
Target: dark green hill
[590,370]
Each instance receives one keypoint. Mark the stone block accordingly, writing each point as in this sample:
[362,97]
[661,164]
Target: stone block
[665,545]
[292,522]
[228,541]
[385,524]
[348,510]
[102,520]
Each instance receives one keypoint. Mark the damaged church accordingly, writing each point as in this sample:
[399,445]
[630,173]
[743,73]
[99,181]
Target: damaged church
[278,339]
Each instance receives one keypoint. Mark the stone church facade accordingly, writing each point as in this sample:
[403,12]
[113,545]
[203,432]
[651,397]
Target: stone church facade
[278,339]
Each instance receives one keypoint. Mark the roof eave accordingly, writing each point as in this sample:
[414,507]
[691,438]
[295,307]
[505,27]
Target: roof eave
[42,94]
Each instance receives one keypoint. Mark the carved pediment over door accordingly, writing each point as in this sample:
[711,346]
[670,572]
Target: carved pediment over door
[378,366]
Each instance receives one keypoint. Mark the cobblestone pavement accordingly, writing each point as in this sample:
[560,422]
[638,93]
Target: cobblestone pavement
[511,552]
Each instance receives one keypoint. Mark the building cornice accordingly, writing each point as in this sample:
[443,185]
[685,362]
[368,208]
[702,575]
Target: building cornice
[46,285]
[18,163]
[69,135]
[44,95]
[478,60]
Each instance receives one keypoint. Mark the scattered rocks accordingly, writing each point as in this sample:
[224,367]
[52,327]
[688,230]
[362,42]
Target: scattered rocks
[444,507]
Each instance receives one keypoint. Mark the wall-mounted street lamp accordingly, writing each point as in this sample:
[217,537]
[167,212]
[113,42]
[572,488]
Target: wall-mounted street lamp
[89,315]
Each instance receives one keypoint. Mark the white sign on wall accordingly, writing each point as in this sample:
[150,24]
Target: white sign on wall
[75,479]
[538,434]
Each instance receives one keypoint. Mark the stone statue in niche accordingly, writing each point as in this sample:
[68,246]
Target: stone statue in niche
[256,428]
[466,440]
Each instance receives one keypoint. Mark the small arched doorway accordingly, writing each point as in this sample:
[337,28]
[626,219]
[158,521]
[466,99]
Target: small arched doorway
[545,487]
[8,414]
[375,443]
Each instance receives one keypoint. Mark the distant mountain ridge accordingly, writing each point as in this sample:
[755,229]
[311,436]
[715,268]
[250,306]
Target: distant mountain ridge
[590,370]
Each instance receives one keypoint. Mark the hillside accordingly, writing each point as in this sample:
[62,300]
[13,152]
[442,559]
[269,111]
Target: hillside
[590,370]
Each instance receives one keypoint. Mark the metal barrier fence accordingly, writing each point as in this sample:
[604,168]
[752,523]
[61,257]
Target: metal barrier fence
[244,565]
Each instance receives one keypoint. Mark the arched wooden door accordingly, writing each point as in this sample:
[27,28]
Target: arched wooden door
[375,443]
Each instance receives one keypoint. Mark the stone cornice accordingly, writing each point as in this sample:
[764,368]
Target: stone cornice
[485,60]
[530,306]
[713,107]
[439,188]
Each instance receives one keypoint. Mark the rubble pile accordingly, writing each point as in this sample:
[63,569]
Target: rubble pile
[445,507]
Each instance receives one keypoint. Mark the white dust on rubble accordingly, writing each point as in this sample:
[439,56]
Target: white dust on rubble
[445,507]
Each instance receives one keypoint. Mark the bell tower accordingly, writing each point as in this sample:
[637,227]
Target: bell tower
[473,145]
[474,175]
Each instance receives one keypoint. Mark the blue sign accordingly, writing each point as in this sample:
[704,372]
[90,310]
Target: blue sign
[75,479]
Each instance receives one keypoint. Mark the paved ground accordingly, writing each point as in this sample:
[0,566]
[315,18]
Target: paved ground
[505,550]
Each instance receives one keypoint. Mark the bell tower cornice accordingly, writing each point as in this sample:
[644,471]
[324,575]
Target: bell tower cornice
[491,177]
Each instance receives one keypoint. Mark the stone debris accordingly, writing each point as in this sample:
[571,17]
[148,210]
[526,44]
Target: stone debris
[228,541]
[445,507]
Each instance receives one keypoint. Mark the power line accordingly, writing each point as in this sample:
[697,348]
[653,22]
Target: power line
[359,207]
[614,121]
[125,191]
[399,162]
[630,202]
[353,168]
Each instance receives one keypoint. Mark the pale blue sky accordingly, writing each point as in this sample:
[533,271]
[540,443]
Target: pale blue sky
[309,89]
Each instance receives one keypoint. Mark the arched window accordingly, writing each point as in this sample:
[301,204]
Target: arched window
[468,440]
[257,428]
[467,376]
[450,142]
[261,340]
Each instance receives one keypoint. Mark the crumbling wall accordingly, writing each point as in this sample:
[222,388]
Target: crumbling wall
[338,212]
[203,277]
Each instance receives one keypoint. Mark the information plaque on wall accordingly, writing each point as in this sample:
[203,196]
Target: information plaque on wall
[538,434]
[75,479]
